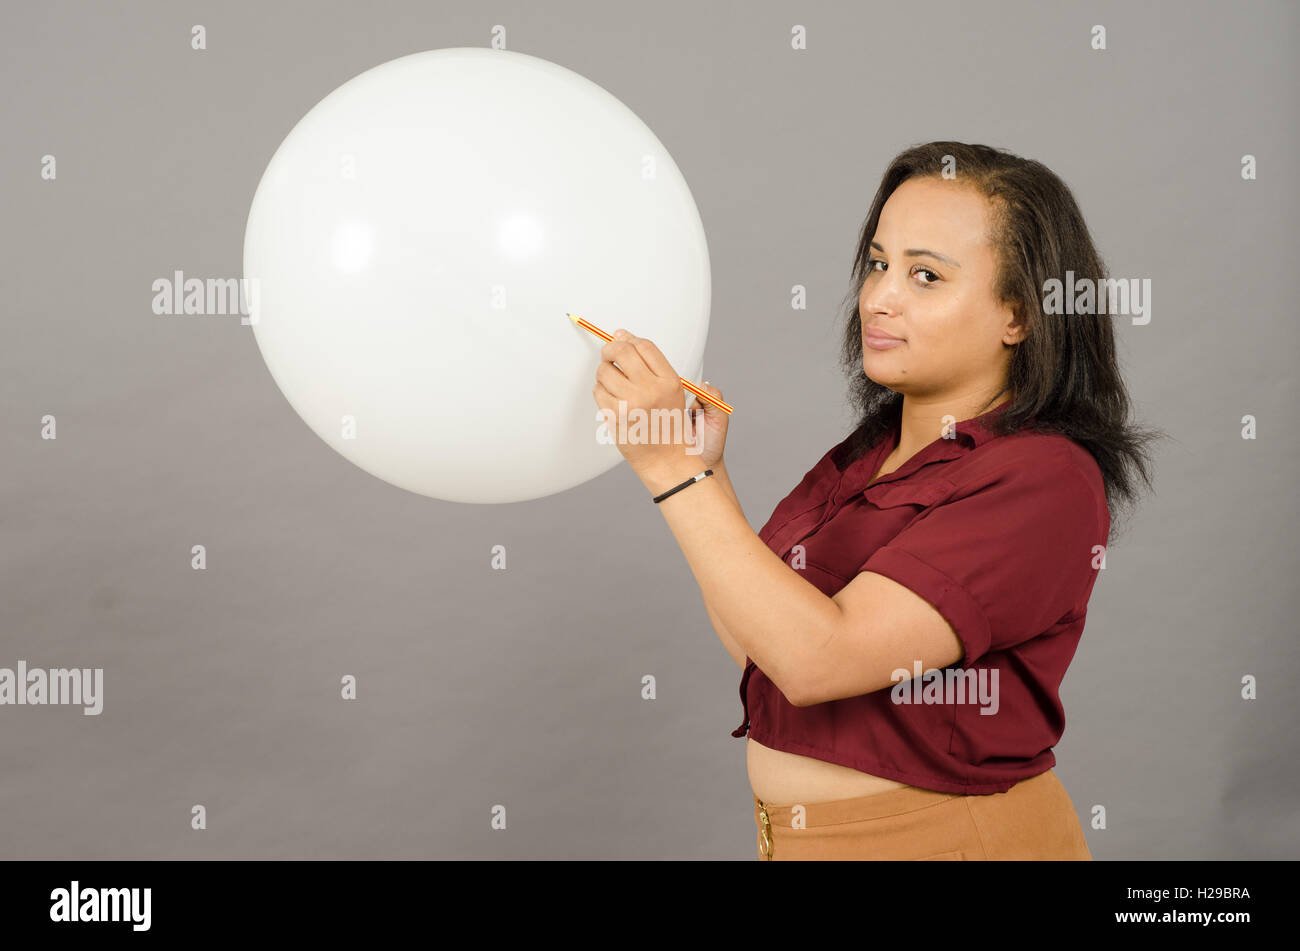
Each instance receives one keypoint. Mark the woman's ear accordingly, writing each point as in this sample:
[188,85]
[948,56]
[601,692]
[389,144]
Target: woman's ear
[1015,330]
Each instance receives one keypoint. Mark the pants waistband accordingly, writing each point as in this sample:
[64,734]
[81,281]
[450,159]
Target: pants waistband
[877,806]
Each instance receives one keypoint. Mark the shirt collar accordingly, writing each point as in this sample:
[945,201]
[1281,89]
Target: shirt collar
[971,433]
[977,428]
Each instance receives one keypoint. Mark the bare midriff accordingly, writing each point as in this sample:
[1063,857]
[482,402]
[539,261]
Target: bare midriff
[784,778]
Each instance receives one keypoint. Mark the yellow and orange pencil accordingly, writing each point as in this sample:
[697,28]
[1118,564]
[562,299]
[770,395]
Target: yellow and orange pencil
[588,325]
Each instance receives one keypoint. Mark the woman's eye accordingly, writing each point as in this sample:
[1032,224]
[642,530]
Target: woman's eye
[872,262]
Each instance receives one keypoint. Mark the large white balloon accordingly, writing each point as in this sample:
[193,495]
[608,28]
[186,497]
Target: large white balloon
[415,244]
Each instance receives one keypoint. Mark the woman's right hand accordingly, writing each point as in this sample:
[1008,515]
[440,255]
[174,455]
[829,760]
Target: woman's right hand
[709,425]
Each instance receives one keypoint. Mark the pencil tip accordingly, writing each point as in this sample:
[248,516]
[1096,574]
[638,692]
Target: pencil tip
[572,318]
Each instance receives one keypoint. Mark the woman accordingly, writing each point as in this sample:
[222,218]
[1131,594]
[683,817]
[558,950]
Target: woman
[906,616]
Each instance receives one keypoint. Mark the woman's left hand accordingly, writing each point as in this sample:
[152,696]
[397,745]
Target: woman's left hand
[645,381]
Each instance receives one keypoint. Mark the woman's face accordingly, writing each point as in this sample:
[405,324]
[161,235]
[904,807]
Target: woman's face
[930,283]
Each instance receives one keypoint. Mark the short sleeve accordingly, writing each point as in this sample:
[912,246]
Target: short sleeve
[1006,558]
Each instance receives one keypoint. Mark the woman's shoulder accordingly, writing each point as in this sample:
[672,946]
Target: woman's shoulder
[1037,455]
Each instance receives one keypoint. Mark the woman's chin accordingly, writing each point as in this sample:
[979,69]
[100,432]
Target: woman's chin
[888,377]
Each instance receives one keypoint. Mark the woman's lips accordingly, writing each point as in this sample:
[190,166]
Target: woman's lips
[880,342]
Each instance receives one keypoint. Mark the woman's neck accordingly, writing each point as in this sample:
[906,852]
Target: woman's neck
[922,421]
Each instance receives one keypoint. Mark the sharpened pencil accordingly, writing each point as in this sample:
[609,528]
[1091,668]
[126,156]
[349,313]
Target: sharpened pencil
[588,325]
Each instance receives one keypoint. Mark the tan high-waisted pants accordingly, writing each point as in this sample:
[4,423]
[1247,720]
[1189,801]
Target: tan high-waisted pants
[1034,819]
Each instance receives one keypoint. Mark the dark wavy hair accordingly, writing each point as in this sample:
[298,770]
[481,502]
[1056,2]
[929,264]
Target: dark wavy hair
[1064,376]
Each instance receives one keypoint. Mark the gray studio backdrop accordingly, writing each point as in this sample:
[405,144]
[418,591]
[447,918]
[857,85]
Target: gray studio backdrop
[522,687]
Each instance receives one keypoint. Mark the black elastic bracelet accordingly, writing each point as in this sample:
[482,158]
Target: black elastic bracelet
[677,488]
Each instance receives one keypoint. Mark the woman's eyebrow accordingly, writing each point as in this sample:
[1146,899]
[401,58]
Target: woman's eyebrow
[919,252]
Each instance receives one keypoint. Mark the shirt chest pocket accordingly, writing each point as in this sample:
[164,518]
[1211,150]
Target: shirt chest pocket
[921,495]
[835,553]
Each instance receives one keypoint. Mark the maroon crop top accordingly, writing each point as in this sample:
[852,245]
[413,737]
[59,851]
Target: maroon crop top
[1004,536]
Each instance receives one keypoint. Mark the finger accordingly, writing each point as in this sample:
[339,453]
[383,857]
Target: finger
[654,359]
[612,379]
[705,388]
[604,398]
[611,368]
[630,362]
[712,391]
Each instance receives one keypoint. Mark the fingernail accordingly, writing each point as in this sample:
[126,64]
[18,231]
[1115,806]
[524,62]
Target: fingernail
[620,333]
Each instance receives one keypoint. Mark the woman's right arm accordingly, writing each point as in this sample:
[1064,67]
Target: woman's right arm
[710,426]
[735,650]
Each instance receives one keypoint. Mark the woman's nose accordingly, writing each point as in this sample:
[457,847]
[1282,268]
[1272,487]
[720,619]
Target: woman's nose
[882,293]
[881,299]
